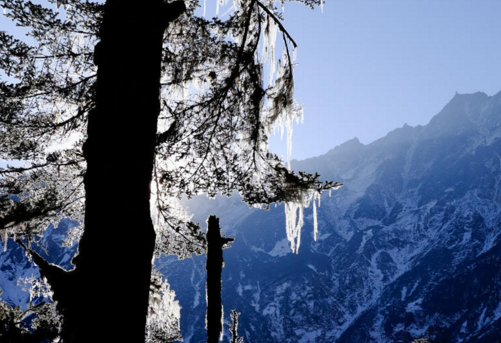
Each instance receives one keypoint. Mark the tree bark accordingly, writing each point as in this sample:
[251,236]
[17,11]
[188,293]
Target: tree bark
[112,276]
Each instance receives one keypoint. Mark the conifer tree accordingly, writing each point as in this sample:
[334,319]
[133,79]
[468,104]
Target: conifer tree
[117,110]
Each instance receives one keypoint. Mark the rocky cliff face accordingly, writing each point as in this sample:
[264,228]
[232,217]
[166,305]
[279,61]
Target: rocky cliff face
[408,248]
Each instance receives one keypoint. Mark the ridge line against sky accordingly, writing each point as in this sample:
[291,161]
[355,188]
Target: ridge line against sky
[365,67]
[368,67]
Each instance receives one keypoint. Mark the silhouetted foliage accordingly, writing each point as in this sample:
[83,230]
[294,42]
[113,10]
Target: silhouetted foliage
[36,324]
[211,139]
[120,106]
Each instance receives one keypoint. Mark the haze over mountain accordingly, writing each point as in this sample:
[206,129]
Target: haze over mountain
[408,248]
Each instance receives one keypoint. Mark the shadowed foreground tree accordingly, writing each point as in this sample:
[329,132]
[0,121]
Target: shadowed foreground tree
[214,267]
[18,326]
[167,103]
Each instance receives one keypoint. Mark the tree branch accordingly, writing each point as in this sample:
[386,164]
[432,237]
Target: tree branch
[282,28]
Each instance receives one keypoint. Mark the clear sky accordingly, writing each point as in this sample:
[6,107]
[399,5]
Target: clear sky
[366,67]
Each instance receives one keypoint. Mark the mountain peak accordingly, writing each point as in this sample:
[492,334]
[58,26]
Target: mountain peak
[347,147]
[468,97]
[352,142]
[463,112]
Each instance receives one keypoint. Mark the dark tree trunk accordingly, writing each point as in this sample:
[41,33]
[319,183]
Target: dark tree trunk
[214,267]
[112,277]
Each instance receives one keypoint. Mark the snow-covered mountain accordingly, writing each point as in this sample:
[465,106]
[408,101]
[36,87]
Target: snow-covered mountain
[408,248]
[16,268]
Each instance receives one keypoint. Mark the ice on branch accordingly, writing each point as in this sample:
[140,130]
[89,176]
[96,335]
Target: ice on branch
[37,287]
[162,323]
[176,234]
[215,122]
[294,216]
[283,109]
[269,41]
[299,195]
[159,201]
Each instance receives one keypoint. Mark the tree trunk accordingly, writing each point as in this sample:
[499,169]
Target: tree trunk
[112,276]
[214,267]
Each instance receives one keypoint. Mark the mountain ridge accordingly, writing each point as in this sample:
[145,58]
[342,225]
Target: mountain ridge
[409,247]
[420,207]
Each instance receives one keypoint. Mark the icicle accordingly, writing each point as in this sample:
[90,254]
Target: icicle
[4,11]
[222,323]
[322,6]
[217,6]
[205,7]
[294,222]
[271,49]
[290,122]
[294,216]
[269,42]
[266,34]
[315,223]
[5,239]
[273,39]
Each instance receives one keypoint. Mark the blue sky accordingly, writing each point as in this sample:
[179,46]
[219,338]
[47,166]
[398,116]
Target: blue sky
[366,67]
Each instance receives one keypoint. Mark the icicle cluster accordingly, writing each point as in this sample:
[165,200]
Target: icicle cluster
[283,109]
[294,216]
[216,121]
